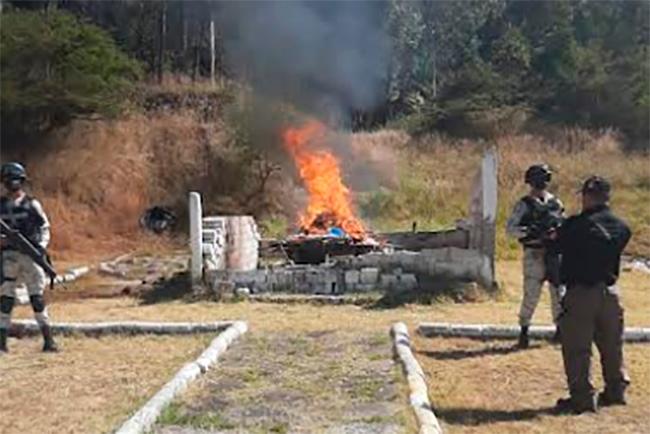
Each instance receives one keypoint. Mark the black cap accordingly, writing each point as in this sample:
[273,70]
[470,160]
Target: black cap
[596,184]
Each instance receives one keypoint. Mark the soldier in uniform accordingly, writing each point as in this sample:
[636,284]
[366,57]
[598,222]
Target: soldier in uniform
[532,217]
[25,214]
[591,244]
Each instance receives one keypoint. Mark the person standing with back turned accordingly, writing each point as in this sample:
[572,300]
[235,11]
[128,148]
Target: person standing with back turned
[591,244]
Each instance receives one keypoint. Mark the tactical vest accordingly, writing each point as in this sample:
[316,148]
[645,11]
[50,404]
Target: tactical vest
[23,217]
[537,210]
[536,214]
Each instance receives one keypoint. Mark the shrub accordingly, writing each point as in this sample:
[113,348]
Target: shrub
[56,67]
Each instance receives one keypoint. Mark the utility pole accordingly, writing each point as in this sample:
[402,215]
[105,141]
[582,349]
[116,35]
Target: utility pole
[213,54]
[161,42]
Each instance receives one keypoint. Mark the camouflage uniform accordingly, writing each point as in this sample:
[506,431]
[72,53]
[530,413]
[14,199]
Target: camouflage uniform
[534,265]
[26,215]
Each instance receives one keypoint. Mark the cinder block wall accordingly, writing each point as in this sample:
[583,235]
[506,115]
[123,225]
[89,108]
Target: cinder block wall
[398,271]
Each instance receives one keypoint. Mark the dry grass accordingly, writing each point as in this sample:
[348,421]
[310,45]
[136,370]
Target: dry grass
[96,178]
[91,386]
[321,381]
[300,320]
[436,177]
[486,387]
[272,317]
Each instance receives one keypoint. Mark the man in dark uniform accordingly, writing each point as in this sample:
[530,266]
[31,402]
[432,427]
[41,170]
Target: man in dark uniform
[591,244]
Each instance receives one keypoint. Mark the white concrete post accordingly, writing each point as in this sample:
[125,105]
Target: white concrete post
[483,212]
[196,237]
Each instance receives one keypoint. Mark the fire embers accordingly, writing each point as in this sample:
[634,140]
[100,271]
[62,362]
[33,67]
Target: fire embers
[330,210]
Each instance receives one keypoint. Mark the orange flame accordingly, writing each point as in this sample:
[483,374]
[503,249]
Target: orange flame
[329,199]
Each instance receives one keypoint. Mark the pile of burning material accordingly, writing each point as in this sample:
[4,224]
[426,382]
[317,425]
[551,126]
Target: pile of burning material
[328,225]
[330,239]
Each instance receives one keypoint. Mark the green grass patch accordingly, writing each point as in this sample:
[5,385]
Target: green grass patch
[173,414]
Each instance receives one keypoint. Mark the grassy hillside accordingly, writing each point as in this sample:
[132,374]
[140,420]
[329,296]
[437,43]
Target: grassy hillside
[435,177]
[96,177]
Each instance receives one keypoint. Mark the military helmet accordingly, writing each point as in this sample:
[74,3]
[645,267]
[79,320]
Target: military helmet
[13,171]
[538,175]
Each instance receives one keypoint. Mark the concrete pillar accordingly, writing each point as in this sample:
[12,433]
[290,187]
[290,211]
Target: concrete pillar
[483,209]
[196,237]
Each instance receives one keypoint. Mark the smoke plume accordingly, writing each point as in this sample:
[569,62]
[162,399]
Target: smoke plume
[325,57]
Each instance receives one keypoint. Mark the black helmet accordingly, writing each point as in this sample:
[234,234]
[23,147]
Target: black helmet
[538,175]
[13,175]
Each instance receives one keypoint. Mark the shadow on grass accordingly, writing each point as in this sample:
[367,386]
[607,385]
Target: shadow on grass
[175,288]
[468,354]
[430,290]
[480,416]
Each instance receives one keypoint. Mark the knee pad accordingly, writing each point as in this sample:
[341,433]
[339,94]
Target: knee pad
[38,303]
[6,304]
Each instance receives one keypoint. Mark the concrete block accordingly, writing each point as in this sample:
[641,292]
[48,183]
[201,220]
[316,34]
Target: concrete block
[243,292]
[302,288]
[434,268]
[386,262]
[332,282]
[409,261]
[351,277]
[315,277]
[387,281]
[369,275]
[408,281]
[372,260]
[299,277]
[282,279]
[260,277]
[421,265]
[365,287]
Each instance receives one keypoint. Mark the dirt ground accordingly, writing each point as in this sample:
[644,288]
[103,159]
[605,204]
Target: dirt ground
[89,387]
[487,387]
[322,381]
[307,341]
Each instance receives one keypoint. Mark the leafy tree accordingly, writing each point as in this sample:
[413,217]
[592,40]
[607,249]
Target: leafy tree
[56,67]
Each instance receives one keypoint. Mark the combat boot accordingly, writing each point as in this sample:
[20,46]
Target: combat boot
[610,397]
[3,340]
[569,405]
[49,346]
[523,338]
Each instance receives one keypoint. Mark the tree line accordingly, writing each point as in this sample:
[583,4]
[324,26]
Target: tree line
[453,64]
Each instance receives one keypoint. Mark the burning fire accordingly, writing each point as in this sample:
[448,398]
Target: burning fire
[329,199]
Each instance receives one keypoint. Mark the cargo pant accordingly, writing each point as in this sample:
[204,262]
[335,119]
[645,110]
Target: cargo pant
[593,313]
[534,278]
[19,268]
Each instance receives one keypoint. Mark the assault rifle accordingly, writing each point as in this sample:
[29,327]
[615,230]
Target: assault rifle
[546,220]
[37,254]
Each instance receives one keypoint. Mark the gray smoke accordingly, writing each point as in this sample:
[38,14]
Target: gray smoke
[325,57]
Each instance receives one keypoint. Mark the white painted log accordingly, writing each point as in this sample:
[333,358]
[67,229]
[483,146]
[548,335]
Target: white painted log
[124,327]
[72,274]
[144,419]
[493,331]
[196,237]
[419,397]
